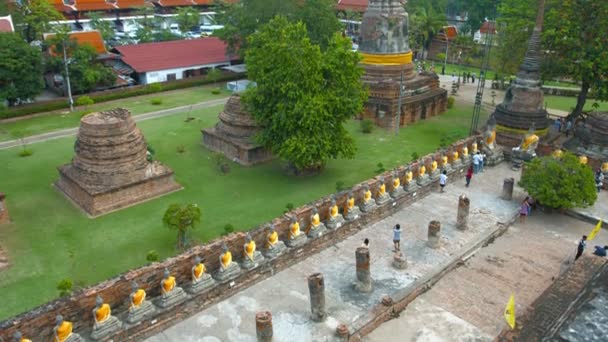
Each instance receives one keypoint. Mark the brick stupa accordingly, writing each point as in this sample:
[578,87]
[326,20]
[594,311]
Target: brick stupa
[234,135]
[387,61]
[523,104]
[110,170]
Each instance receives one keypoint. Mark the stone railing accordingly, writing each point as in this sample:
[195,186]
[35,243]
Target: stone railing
[38,323]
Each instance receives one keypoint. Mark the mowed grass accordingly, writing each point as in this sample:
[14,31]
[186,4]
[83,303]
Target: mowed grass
[567,103]
[137,105]
[50,239]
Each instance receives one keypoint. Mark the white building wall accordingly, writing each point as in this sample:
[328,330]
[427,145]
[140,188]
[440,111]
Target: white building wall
[161,75]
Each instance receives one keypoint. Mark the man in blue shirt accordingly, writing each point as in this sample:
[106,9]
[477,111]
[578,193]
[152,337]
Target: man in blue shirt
[581,247]
[600,251]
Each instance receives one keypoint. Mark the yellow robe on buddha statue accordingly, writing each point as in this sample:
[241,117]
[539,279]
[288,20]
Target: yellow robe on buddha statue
[368,195]
[63,331]
[409,176]
[294,230]
[605,167]
[273,238]
[382,189]
[396,183]
[169,284]
[334,211]
[474,148]
[103,313]
[444,160]
[455,156]
[422,170]
[316,220]
[583,159]
[25,340]
[491,138]
[138,298]
[433,165]
[529,140]
[199,270]
[465,151]
[226,259]
[350,203]
[250,249]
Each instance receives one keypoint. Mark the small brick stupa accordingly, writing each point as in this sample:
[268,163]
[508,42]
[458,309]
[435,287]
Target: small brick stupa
[234,134]
[110,170]
[387,61]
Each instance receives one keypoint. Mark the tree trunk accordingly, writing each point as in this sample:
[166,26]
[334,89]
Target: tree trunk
[580,101]
[181,239]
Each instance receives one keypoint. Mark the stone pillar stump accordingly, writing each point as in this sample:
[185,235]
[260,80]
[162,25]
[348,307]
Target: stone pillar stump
[316,286]
[434,234]
[263,326]
[399,261]
[507,189]
[462,217]
[342,332]
[364,279]
[4,217]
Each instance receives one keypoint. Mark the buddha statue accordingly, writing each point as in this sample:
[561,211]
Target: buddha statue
[62,332]
[605,168]
[228,269]
[274,246]
[456,162]
[105,324]
[557,154]
[17,337]
[445,163]
[527,148]
[583,159]
[493,153]
[368,203]
[334,220]
[316,227]
[351,211]
[423,177]
[465,152]
[201,280]
[170,293]
[473,148]
[397,190]
[382,197]
[295,236]
[252,258]
[434,169]
[409,183]
[139,307]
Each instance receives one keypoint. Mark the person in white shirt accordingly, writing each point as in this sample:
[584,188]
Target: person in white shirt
[443,178]
[476,160]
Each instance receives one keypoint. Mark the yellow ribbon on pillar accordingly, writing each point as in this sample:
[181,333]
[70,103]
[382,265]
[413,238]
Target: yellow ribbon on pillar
[387,59]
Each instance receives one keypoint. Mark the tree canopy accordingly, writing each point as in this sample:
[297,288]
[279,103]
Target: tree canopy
[576,34]
[515,23]
[36,17]
[303,95]
[187,18]
[182,219]
[560,182]
[243,18]
[105,27]
[20,69]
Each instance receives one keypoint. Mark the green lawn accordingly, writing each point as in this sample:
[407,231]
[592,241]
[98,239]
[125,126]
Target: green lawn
[137,105]
[51,240]
[566,103]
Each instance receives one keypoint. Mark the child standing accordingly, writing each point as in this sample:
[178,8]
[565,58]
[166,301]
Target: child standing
[469,175]
[397,237]
[443,178]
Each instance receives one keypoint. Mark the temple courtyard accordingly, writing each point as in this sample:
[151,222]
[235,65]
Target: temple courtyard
[467,302]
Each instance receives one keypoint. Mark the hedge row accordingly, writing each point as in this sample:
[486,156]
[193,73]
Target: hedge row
[115,94]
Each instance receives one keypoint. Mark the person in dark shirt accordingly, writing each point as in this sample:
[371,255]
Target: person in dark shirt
[581,247]
[601,251]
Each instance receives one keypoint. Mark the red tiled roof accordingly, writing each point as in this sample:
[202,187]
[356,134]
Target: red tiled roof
[6,24]
[172,3]
[96,5]
[92,38]
[352,5]
[174,54]
[488,27]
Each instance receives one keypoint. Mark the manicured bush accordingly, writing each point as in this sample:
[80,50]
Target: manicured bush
[156,101]
[228,229]
[25,152]
[216,91]
[152,256]
[440,56]
[560,182]
[380,167]
[181,149]
[414,156]
[367,126]
[451,101]
[84,100]
[65,287]
[340,186]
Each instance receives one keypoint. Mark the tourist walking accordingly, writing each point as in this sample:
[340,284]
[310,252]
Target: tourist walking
[443,178]
[482,159]
[476,159]
[558,125]
[599,179]
[523,210]
[473,77]
[581,247]
[568,127]
[397,237]
[469,175]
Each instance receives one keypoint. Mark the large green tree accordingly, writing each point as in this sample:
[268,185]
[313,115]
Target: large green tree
[576,34]
[187,18]
[303,95]
[515,23]
[145,28]
[36,17]
[20,69]
[105,27]
[243,18]
[425,23]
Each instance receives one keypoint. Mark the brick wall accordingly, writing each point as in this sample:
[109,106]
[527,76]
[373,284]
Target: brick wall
[38,323]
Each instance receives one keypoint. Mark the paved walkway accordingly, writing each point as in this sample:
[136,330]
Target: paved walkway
[286,293]
[142,117]
[468,303]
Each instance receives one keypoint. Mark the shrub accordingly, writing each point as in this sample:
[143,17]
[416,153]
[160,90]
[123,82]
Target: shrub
[156,101]
[150,153]
[25,152]
[560,182]
[180,149]
[451,101]
[84,100]
[340,186]
[289,207]
[221,163]
[380,167]
[154,87]
[216,91]
[228,229]
[414,156]
[367,126]
[65,287]
[440,56]
[152,256]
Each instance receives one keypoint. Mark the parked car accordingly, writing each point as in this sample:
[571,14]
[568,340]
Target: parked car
[207,30]
[174,28]
[192,35]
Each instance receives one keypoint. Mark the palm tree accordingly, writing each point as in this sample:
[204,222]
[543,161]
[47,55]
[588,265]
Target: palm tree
[426,22]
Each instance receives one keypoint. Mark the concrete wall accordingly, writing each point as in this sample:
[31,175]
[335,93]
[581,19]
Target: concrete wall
[161,75]
[38,323]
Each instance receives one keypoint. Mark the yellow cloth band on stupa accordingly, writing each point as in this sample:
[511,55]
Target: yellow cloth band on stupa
[387,59]
[504,129]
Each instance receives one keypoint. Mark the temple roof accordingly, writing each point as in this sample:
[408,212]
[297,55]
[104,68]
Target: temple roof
[352,5]
[6,24]
[96,5]
[92,38]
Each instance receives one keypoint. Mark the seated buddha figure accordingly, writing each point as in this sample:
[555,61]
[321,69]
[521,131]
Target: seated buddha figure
[198,270]
[316,228]
[456,162]
[171,294]
[105,324]
[465,152]
[352,212]
[527,148]
[473,149]
[434,169]
[225,258]
[167,284]
[63,331]
[605,167]
[445,163]
[251,256]
[334,220]
[139,307]
[274,246]
[557,154]
[201,280]
[423,177]
[397,189]
[228,269]
[583,159]
[382,197]
[295,238]
[368,202]
[18,337]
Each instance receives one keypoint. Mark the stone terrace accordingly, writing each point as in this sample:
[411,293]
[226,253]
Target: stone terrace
[286,293]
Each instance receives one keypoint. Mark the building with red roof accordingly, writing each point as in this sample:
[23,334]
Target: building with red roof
[174,60]
[6,24]
[92,38]
[68,6]
[352,5]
